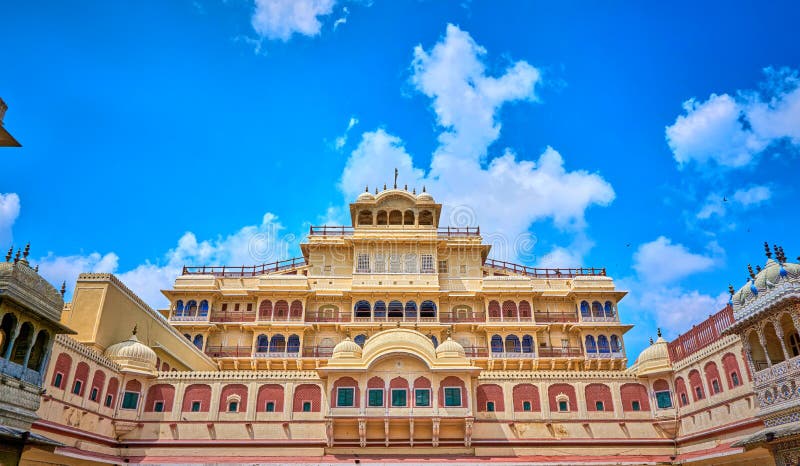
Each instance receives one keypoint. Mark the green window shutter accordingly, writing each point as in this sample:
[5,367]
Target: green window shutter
[345,397]
[398,398]
[423,397]
[452,396]
[375,398]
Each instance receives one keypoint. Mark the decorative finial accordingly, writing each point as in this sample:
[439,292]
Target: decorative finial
[395,178]
[366,189]
[26,251]
[730,289]
[9,254]
[414,191]
[651,341]
[376,190]
[448,332]
[347,333]
[658,332]
[423,188]
[750,271]
[782,257]
[135,326]
[758,268]
[767,251]
[16,258]
[36,269]
[405,187]
[384,186]
[775,251]
[63,288]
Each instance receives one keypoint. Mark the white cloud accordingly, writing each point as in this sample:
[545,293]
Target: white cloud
[506,194]
[675,310]
[342,140]
[752,196]
[280,19]
[253,244]
[662,262]
[342,19]
[742,199]
[9,211]
[732,131]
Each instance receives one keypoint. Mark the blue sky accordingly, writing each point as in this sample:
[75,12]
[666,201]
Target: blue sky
[660,143]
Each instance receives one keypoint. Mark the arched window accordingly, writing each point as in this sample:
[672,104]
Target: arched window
[365,217]
[395,217]
[609,308]
[198,341]
[179,308]
[527,344]
[362,309]
[585,312]
[408,218]
[597,309]
[7,326]
[38,351]
[22,343]
[662,393]
[360,340]
[188,337]
[262,344]
[380,309]
[591,347]
[512,344]
[427,309]
[411,310]
[277,344]
[497,344]
[265,309]
[494,309]
[395,309]
[191,308]
[509,309]
[434,340]
[281,310]
[296,310]
[616,347]
[204,308]
[383,219]
[293,344]
[426,217]
[525,309]
[602,344]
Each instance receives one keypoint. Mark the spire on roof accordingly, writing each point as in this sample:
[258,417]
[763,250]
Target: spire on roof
[767,251]
[395,178]
[63,288]
[750,270]
[10,253]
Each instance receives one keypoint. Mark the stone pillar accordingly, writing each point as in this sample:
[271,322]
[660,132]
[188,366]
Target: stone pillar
[177,407]
[748,353]
[252,400]
[763,341]
[779,333]
[11,341]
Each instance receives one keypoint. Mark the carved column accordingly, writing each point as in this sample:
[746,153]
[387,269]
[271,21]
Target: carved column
[362,432]
[411,431]
[436,432]
[329,431]
[386,431]
[763,341]
[468,432]
[11,341]
[748,353]
[779,333]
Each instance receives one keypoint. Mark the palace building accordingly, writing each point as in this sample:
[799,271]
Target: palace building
[397,337]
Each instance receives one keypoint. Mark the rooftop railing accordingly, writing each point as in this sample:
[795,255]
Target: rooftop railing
[345,230]
[461,316]
[244,270]
[701,335]
[537,272]
[561,352]
[555,317]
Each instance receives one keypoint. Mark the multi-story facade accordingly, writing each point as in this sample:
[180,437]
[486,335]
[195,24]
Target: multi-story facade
[389,334]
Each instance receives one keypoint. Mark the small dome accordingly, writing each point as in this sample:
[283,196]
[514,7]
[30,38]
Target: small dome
[424,196]
[365,196]
[772,274]
[346,348]
[449,348]
[654,359]
[133,355]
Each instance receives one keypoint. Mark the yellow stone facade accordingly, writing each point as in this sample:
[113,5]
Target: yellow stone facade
[393,336]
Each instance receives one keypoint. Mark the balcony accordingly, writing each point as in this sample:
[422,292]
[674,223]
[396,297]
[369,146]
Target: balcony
[476,352]
[461,316]
[511,319]
[229,351]
[606,355]
[200,318]
[263,353]
[512,355]
[555,317]
[563,352]
[19,372]
[600,319]
[409,318]
[328,316]
[544,273]
[317,352]
[234,317]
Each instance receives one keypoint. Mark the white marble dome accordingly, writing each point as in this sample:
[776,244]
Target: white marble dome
[449,348]
[132,355]
[346,348]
